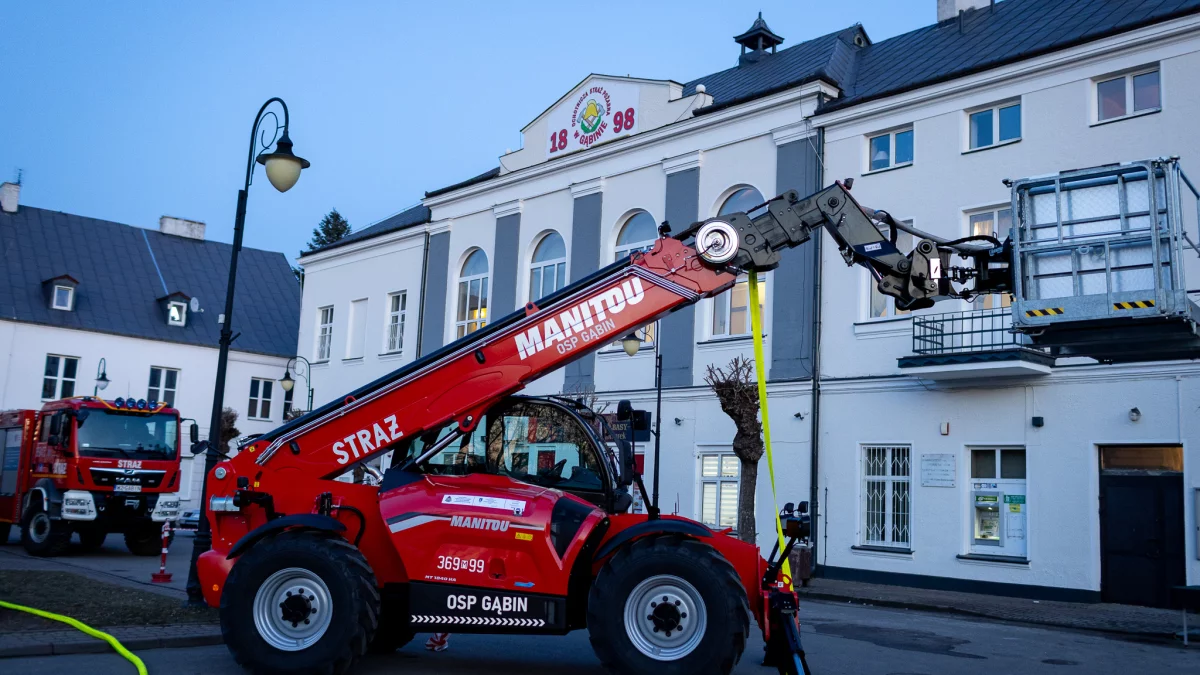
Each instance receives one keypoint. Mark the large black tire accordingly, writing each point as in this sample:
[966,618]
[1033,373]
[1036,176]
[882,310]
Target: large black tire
[394,630]
[314,574]
[91,537]
[42,536]
[5,529]
[146,539]
[710,642]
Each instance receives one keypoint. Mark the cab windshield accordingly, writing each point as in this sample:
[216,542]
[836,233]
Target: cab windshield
[105,433]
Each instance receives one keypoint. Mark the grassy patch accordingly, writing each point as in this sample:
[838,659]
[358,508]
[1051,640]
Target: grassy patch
[93,602]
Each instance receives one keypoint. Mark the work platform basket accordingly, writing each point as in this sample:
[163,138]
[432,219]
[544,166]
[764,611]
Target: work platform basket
[1101,258]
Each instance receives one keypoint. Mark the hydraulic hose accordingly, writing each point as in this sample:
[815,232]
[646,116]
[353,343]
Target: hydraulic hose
[112,641]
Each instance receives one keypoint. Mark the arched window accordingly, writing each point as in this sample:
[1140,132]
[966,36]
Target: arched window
[731,309]
[473,293]
[548,273]
[638,234]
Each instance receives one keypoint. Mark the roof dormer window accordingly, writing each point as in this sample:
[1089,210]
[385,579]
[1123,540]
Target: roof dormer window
[176,306]
[177,313]
[63,298]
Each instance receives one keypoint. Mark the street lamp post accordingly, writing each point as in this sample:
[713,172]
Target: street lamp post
[283,170]
[631,344]
[101,377]
[287,382]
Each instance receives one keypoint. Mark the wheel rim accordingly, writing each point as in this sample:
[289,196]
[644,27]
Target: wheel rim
[665,617]
[292,609]
[39,527]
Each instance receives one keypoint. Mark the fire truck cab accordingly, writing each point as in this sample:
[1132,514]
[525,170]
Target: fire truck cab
[89,466]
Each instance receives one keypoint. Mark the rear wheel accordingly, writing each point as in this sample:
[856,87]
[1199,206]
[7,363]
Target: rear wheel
[299,602]
[668,606]
[42,536]
[146,539]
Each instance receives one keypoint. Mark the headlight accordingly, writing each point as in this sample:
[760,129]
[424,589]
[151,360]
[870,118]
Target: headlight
[78,505]
[166,508]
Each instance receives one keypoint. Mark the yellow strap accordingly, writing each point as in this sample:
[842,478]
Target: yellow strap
[756,328]
[141,667]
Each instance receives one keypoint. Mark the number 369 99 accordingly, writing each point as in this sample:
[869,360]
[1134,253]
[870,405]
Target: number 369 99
[456,564]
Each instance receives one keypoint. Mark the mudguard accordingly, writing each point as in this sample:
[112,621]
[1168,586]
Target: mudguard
[302,521]
[51,497]
[658,526]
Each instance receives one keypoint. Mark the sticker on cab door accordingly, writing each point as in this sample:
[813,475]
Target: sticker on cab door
[516,506]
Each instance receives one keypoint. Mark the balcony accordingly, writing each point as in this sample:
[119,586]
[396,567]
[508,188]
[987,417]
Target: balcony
[972,345]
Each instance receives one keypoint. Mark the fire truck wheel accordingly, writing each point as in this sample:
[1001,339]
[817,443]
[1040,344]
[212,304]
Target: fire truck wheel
[668,606]
[146,540]
[42,536]
[301,602]
[91,538]
[5,528]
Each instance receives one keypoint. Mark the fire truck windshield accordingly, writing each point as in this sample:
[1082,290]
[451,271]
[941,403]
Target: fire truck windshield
[104,433]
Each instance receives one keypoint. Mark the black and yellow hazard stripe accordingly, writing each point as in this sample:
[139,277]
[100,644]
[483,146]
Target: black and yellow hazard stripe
[1049,311]
[1136,304]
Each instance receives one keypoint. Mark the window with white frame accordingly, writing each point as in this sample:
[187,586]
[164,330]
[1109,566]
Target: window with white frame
[887,501]
[731,309]
[58,378]
[356,329]
[472,294]
[993,126]
[880,305]
[324,333]
[992,223]
[638,233]
[892,149]
[397,308]
[177,313]
[719,472]
[548,271]
[259,407]
[1133,93]
[63,298]
[163,383]
[287,402]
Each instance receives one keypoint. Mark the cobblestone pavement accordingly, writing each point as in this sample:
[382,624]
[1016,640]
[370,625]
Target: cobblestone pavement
[1126,619]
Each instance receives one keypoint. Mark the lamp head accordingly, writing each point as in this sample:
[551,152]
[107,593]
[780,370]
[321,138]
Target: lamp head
[286,381]
[283,167]
[631,344]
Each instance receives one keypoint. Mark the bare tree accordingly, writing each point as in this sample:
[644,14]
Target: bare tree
[737,391]
[229,430]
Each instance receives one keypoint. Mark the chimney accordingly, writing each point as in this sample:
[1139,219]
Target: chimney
[10,194]
[948,9]
[192,229]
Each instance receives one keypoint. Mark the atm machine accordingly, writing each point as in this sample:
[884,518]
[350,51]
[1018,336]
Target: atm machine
[999,519]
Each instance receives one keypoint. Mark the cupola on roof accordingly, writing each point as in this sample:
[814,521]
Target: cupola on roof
[759,37]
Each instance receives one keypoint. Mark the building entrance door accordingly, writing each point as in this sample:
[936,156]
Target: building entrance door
[1141,523]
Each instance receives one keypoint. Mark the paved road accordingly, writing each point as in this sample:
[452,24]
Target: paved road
[839,638]
[110,560]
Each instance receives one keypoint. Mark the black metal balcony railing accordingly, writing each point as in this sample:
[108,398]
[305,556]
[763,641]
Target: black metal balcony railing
[981,330]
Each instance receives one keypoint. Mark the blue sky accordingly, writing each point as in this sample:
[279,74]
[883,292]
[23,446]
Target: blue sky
[129,111]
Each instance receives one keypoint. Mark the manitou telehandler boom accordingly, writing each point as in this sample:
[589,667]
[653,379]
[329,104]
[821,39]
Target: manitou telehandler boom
[505,514]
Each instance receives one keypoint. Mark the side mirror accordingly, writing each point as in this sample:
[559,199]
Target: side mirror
[641,420]
[194,433]
[628,465]
[199,446]
[803,508]
[81,415]
[624,410]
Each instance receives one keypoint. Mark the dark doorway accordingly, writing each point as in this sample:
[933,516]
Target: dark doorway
[1141,524]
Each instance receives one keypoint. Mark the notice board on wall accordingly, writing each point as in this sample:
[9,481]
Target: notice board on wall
[938,470]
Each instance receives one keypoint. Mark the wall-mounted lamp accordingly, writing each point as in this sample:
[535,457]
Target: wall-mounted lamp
[799,415]
[1039,421]
[678,421]
[1134,414]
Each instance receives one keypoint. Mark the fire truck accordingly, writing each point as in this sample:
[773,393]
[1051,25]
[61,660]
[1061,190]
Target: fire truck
[89,466]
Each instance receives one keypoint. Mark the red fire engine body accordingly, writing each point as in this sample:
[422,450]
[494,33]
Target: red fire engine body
[89,466]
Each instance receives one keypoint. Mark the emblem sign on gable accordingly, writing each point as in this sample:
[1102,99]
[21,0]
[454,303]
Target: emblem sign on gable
[601,111]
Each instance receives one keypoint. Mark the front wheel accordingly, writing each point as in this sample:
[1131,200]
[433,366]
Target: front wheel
[301,602]
[42,536]
[668,606]
[91,538]
[146,540]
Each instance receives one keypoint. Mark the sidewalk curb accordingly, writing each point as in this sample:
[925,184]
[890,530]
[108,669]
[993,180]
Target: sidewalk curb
[92,646]
[949,609]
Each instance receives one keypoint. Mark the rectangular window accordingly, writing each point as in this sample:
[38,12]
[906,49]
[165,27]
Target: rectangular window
[260,399]
[890,150]
[998,503]
[287,402]
[356,335]
[62,298]
[397,308]
[731,309]
[176,313]
[885,305]
[995,125]
[58,378]
[992,223]
[163,382]
[1127,95]
[719,489]
[887,502]
[324,333]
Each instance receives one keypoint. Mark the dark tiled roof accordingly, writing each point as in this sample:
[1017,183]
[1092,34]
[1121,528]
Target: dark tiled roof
[486,175]
[416,215]
[122,271]
[989,37]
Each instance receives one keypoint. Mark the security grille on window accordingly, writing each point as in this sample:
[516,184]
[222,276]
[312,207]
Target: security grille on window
[890,150]
[994,126]
[719,489]
[63,296]
[58,380]
[260,399]
[324,333]
[885,305]
[473,294]
[397,308]
[994,223]
[163,382]
[638,234]
[886,496]
[548,273]
[1127,95]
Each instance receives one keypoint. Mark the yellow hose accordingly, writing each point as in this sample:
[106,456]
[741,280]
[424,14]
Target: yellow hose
[141,667]
[761,372]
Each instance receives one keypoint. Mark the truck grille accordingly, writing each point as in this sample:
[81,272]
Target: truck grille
[112,477]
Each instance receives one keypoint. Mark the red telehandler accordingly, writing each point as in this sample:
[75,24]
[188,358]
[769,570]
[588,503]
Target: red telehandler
[508,514]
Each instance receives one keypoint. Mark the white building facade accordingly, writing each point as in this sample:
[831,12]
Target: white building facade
[928,472]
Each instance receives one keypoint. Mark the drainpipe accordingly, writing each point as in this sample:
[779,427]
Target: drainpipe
[815,394]
[421,298]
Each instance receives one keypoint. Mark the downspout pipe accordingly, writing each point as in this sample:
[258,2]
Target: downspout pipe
[421,304]
[815,394]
